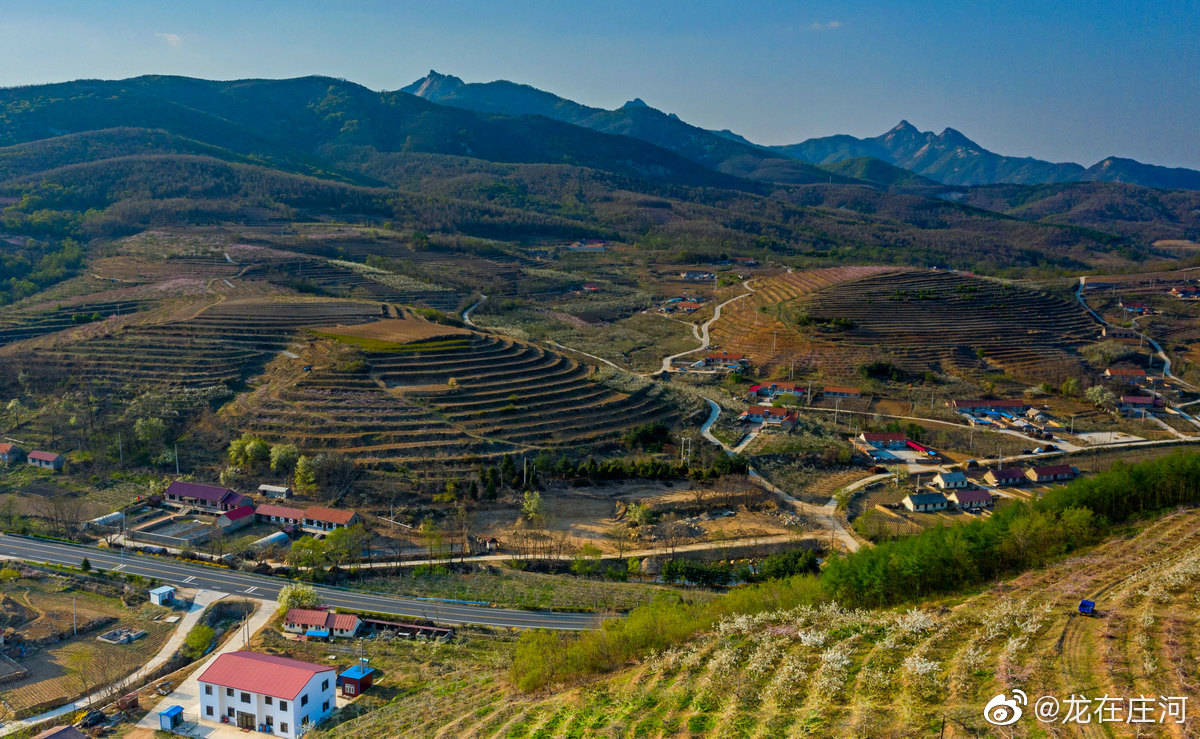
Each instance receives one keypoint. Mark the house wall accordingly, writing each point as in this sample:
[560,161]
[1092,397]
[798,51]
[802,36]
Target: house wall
[320,704]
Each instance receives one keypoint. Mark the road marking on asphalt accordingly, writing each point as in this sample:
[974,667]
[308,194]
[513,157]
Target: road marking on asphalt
[250,589]
[189,578]
[120,566]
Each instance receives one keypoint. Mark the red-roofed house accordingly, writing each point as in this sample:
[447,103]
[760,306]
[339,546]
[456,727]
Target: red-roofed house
[1008,476]
[205,497]
[300,620]
[839,391]
[10,453]
[280,514]
[237,518]
[1131,375]
[46,460]
[1051,473]
[327,519]
[884,440]
[724,359]
[249,690]
[767,416]
[970,499]
[773,390]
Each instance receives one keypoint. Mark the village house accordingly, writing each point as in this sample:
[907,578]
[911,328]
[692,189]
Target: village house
[1138,404]
[1186,292]
[725,359]
[237,518]
[838,391]
[884,440]
[1008,476]
[330,623]
[773,417]
[283,696]
[692,274]
[1131,375]
[950,480]
[925,502]
[1051,473]
[775,390]
[279,514]
[971,499]
[1118,332]
[1135,308]
[11,453]
[209,498]
[46,460]
[327,519]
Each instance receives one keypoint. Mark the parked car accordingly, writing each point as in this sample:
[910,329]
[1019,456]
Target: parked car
[93,718]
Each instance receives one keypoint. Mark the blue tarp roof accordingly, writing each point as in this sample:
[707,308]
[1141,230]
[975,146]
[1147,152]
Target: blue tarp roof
[317,632]
[171,712]
[357,672]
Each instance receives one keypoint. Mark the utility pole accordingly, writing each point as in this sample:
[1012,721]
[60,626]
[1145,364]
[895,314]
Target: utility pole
[74,617]
[837,407]
[177,459]
[120,449]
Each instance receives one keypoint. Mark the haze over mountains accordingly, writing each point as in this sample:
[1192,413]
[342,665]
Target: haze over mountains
[949,158]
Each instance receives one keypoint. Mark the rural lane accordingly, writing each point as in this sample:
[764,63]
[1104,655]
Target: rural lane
[189,575]
[703,335]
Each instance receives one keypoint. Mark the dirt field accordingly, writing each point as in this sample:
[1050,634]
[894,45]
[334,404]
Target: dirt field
[63,670]
[397,330]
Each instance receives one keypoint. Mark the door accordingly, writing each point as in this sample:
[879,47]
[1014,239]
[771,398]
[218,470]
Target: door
[245,720]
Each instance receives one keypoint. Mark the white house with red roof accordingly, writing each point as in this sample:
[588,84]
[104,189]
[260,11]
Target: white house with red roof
[237,518]
[46,460]
[10,453]
[253,691]
[768,416]
[302,620]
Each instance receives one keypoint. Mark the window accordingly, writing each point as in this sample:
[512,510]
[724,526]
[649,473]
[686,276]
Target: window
[229,692]
[283,705]
[268,699]
[231,713]
[283,727]
[270,720]
[304,721]
[208,710]
[325,706]
[245,697]
[304,700]
[208,690]
[324,685]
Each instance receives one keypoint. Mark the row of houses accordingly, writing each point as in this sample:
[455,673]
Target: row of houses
[1013,476]
[770,417]
[12,454]
[235,510]
[963,499]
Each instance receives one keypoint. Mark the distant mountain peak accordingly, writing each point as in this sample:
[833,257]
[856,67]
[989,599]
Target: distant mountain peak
[636,103]
[954,137]
[433,80]
[903,127]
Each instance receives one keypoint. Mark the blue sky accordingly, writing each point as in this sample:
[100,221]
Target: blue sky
[1067,81]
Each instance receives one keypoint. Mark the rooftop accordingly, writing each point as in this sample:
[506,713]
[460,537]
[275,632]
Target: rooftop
[332,515]
[197,490]
[266,674]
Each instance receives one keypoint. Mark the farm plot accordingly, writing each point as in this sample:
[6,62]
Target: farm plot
[67,666]
[830,671]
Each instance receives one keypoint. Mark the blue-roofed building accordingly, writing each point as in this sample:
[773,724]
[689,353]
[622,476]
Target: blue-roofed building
[925,502]
[356,680]
[171,718]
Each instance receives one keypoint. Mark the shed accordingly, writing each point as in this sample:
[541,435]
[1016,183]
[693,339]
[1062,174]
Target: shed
[275,491]
[163,595]
[356,680]
[1087,607]
[169,719]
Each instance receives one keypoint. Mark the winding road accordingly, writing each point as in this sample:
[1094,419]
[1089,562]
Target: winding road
[702,334]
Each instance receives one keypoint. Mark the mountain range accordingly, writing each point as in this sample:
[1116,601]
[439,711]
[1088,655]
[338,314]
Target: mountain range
[947,158]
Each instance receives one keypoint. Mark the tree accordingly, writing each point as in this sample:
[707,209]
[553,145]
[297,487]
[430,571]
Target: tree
[1101,397]
[151,432]
[531,506]
[298,596]
[283,458]
[345,544]
[197,641]
[85,565]
[1070,387]
[305,477]
[307,551]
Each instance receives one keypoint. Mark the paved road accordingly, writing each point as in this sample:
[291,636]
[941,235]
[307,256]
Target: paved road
[466,315]
[263,586]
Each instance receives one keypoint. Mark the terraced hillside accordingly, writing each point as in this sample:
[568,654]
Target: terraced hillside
[918,320]
[17,324]
[750,325]
[447,400]
[224,343]
[828,671]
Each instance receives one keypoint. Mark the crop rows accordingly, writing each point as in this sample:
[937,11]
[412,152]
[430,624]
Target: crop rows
[349,282]
[17,325]
[829,671]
